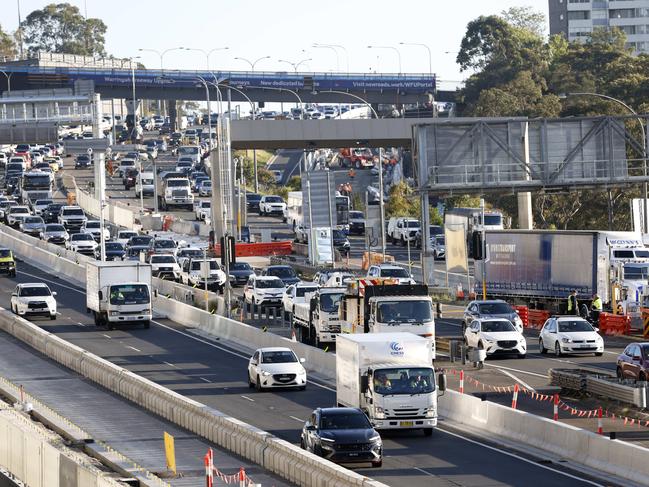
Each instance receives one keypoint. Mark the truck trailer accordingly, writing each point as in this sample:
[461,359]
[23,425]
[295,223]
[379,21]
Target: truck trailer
[119,293]
[391,378]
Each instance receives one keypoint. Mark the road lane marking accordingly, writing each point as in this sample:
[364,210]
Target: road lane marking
[248,398]
[80,324]
[523,459]
[516,370]
[107,336]
[205,380]
[297,419]
[424,471]
[170,365]
[524,384]
[133,348]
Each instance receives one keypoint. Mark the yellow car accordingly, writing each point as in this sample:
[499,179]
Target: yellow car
[7,262]
[54,164]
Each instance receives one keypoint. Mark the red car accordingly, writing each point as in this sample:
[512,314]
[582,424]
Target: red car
[633,363]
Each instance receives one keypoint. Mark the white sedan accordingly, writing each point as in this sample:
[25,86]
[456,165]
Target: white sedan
[276,367]
[82,243]
[570,334]
[295,294]
[33,299]
[496,336]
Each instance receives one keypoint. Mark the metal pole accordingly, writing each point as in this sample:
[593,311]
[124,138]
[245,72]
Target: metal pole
[206,273]
[331,222]
[310,229]
[484,255]
[142,186]
[425,240]
[100,175]
[112,114]
[381,204]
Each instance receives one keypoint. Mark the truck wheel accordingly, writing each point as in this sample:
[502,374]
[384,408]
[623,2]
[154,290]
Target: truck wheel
[97,319]
[428,431]
[403,242]
[12,274]
[147,324]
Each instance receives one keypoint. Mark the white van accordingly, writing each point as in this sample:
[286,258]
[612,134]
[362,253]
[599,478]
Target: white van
[144,184]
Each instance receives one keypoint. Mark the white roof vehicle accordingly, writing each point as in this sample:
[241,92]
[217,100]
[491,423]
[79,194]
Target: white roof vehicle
[497,336]
[276,367]
[33,299]
[570,335]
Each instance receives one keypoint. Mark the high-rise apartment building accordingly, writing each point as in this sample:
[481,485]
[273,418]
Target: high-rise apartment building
[577,19]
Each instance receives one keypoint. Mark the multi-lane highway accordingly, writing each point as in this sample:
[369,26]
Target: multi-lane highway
[214,372]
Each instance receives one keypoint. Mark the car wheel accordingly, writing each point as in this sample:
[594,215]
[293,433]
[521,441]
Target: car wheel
[522,355]
[378,464]
[52,317]
[317,450]
[642,377]
[557,349]
[542,349]
[258,385]
[599,354]
[250,383]
[618,372]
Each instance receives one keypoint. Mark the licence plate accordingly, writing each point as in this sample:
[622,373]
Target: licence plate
[407,424]
[353,454]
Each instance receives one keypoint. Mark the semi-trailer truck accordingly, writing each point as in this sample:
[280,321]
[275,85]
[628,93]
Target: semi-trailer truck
[391,378]
[541,267]
[371,306]
[119,293]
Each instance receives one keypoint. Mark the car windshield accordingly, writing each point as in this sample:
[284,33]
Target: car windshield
[129,294]
[404,311]
[34,219]
[190,253]
[356,214]
[165,244]
[274,199]
[82,236]
[205,204]
[54,228]
[5,253]
[43,202]
[338,234]
[269,283]
[281,272]
[35,291]
[188,151]
[572,326]
[73,212]
[278,357]
[405,380]
[196,265]
[412,224]
[351,420]
[394,272]
[113,246]
[253,197]
[126,234]
[206,183]
[330,302]
[300,292]
[163,259]
[496,326]
[240,266]
[495,309]
[19,210]
[92,224]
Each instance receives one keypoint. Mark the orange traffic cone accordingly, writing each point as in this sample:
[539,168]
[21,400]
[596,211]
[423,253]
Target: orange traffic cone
[460,292]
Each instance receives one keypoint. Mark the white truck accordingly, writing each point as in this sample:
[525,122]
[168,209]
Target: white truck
[317,319]
[119,293]
[391,378]
[175,192]
[372,306]
[403,230]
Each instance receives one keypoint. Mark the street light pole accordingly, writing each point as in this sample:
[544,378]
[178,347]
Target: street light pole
[392,48]
[430,54]
[295,65]
[161,55]
[206,53]
[8,76]
[381,203]
[328,46]
[645,134]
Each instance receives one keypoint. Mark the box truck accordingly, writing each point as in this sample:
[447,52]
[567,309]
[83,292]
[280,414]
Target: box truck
[391,378]
[317,319]
[119,293]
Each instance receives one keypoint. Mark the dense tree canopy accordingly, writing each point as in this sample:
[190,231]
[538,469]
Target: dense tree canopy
[61,28]
[517,71]
[7,45]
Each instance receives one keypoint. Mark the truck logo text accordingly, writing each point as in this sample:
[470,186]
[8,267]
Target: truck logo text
[396,349]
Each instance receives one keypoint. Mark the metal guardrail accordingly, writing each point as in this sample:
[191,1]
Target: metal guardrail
[602,385]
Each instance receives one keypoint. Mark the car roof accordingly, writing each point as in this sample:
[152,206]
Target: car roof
[267,278]
[341,410]
[488,301]
[274,349]
[569,317]
[33,284]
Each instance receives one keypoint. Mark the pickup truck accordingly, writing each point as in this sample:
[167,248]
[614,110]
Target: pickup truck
[403,230]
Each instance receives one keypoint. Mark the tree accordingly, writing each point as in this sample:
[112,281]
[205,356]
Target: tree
[60,28]
[402,201]
[526,19]
[7,45]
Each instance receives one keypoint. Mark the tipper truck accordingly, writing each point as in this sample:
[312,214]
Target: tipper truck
[317,319]
[119,293]
[371,306]
[390,377]
[541,267]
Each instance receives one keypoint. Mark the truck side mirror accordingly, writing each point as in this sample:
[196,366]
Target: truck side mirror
[364,383]
[441,381]
[101,295]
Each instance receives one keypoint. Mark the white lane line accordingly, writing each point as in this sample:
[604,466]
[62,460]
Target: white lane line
[80,324]
[205,380]
[133,348]
[516,370]
[107,336]
[524,384]
[518,457]
[170,365]
[297,419]
[424,471]
[317,384]
[248,398]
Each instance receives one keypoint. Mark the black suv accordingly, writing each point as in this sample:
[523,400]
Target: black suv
[252,201]
[342,435]
[51,212]
[285,272]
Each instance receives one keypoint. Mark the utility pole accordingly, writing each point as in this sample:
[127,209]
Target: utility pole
[100,173]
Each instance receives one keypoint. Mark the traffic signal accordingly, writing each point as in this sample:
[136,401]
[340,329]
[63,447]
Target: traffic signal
[476,246]
[228,250]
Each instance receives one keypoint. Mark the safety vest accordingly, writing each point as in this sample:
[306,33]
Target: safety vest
[597,304]
[570,302]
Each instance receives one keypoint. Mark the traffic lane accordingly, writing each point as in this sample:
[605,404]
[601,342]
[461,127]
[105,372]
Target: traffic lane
[286,161]
[214,374]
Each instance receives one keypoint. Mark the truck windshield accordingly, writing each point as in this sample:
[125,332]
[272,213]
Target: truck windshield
[404,311]
[301,291]
[5,253]
[177,183]
[36,181]
[494,220]
[636,272]
[129,294]
[330,302]
[412,224]
[404,381]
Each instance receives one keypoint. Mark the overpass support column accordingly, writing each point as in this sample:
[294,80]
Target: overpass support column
[173,114]
[525,218]
[131,110]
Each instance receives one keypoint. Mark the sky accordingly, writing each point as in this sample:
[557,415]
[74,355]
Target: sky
[287,30]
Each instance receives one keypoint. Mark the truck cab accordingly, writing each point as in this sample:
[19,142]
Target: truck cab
[192,273]
[319,316]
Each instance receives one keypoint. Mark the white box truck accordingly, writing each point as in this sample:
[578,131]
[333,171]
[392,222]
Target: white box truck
[119,293]
[390,377]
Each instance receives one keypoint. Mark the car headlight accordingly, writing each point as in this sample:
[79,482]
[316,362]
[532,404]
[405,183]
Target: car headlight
[566,340]
[265,373]
[375,439]
[302,372]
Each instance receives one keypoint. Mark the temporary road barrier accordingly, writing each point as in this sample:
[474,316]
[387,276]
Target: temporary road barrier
[284,247]
[537,318]
[610,324]
[645,322]
[523,313]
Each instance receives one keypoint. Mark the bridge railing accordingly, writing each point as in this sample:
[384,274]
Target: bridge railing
[28,112]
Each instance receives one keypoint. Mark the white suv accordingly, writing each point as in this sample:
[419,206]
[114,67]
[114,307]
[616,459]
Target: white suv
[264,290]
[497,336]
[403,230]
[203,209]
[83,243]
[272,205]
[33,299]
[401,275]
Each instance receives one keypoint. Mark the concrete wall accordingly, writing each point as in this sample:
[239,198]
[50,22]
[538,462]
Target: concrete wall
[115,214]
[36,457]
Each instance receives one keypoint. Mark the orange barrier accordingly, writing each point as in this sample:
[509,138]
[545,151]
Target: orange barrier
[284,247]
[523,313]
[610,324]
[166,222]
[372,258]
[72,199]
[537,318]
